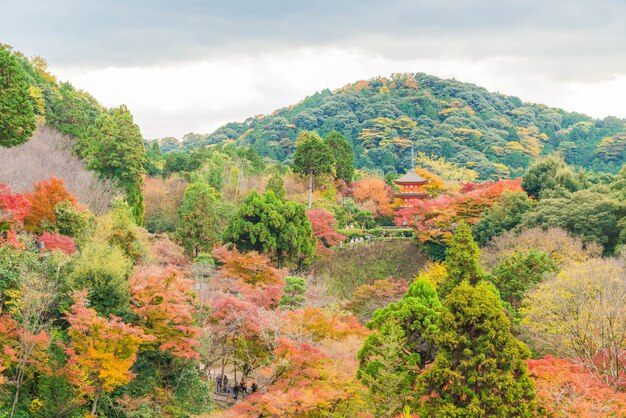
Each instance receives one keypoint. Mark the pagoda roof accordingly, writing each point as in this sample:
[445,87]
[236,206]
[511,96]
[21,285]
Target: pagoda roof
[410,177]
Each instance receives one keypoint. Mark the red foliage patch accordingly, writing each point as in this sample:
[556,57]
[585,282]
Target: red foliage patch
[56,242]
[323,223]
[567,389]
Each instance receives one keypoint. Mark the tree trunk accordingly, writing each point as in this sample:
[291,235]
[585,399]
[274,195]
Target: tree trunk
[310,189]
[95,403]
[18,385]
[17,395]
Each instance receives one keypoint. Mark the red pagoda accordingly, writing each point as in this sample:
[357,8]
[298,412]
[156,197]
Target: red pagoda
[410,189]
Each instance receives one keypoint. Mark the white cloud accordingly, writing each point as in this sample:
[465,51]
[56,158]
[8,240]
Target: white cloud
[201,96]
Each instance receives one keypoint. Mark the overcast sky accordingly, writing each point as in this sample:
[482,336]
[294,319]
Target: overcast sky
[192,65]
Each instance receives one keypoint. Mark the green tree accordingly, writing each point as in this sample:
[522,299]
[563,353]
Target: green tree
[312,159]
[552,174]
[461,260]
[402,343]
[154,158]
[276,184]
[480,369]
[505,215]
[17,116]
[197,231]
[342,151]
[293,293]
[518,272]
[103,270]
[266,224]
[388,375]
[591,214]
[115,149]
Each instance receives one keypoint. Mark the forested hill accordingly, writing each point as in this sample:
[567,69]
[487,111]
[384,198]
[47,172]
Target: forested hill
[496,135]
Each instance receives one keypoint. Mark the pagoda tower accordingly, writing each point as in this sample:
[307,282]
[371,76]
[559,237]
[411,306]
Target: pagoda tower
[410,189]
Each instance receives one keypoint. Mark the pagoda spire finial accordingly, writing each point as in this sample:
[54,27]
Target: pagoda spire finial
[412,158]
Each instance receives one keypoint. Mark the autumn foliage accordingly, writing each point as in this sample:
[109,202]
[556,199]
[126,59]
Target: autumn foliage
[372,194]
[323,224]
[13,206]
[163,299]
[434,219]
[101,351]
[47,194]
[567,389]
[56,242]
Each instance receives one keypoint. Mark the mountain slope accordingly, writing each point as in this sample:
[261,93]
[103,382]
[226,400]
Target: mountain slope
[496,135]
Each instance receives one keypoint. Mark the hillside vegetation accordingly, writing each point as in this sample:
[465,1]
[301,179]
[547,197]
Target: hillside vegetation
[496,135]
[256,288]
[48,153]
[106,140]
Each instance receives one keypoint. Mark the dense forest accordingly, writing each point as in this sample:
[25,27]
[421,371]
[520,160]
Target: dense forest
[267,270]
[498,136]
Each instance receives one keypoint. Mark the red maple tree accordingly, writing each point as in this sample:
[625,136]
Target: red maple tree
[323,223]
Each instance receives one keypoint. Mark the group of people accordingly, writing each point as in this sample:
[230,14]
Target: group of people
[222,385]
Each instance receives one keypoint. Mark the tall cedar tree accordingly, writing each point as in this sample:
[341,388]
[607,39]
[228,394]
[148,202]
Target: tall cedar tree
[197,231]
[269,225]
[312,158]
[413,321]
[17,117]
[480,369]
[116,149]
[343,157]
[461,260]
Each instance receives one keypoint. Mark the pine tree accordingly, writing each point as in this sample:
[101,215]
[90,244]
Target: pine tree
[480,369]
[279,228]
[17,116]
[461,260]
[293,293]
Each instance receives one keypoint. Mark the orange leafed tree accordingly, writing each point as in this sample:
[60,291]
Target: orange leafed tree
[164,301]
[315,324]
[369,297]
[101,351]
[47,194]
[567,389]
[304,380]
[251,267]
[373,194]
[9,338]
